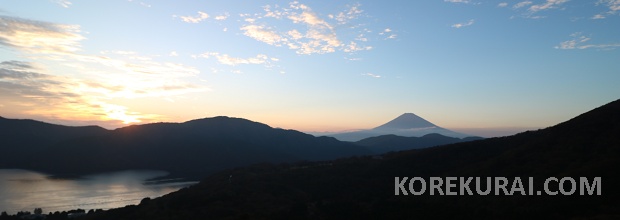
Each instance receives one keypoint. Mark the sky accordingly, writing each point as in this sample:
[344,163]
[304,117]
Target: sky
[313,66]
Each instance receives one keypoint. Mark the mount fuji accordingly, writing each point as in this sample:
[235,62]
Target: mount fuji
[407,125]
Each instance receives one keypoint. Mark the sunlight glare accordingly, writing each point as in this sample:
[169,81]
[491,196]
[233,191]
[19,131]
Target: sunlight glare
[116,112]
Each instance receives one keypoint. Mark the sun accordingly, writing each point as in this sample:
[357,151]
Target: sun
[116,112]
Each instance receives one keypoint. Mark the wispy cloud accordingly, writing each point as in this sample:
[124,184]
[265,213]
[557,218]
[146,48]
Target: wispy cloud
[457,1]
[261,33]
[613,7]
[310,34]
[464,2]
[309,18]
[63,3]
[143,4]
[371,75]
[530,9]
[549,4]
[82,85]
[353,47]
[273,12]
[388,32]
[39,37]
[222,17]
[194,19]
[464,24]
[57,97]
[344,17]
[320,36]
[385,31]
[580,41]
[502,4]
[522,4]
[130,62]
[233,61]
[18,70]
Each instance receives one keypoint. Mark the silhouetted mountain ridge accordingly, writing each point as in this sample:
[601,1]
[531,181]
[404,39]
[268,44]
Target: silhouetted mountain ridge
[25,138]
[406,121]
[190,149]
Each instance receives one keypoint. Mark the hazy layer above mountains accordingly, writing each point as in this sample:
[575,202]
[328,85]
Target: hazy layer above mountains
[495,131]
[473,131]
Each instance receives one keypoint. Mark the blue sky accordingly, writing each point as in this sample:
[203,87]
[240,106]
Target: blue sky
[309,65]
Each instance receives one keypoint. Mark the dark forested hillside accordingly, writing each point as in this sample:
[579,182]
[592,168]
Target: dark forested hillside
[24,140]
[364,187]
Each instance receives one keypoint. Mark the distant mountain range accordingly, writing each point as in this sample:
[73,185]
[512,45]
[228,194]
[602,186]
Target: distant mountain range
[364,187]
[406,125]
[387,143]
[190,149]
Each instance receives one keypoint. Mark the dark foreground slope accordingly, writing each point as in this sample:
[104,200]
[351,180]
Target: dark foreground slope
[192,149]
[364,187]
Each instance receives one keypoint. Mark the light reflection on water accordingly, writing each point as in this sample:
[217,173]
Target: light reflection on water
[23,190]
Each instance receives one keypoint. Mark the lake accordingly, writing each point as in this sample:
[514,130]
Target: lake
[23,190]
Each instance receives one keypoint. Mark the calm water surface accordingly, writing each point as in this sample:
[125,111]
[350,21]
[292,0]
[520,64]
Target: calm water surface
[23,190]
